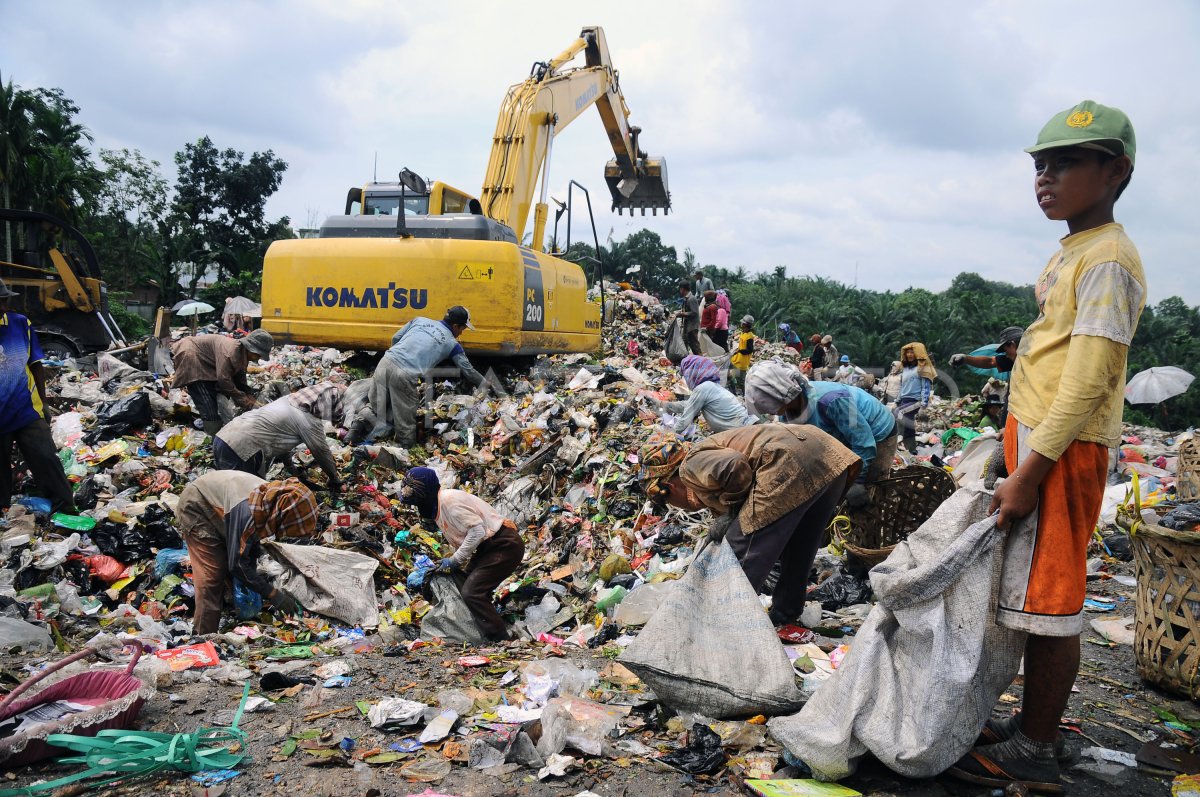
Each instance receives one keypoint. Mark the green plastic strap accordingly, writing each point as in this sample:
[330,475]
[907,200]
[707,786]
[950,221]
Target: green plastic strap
[135,753]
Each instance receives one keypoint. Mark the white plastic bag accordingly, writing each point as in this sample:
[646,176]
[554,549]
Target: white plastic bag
[710,647]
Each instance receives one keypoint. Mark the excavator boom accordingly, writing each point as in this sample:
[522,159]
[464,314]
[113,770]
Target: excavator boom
[535,111]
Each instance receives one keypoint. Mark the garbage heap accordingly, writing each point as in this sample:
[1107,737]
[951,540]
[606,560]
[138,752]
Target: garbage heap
[553,446]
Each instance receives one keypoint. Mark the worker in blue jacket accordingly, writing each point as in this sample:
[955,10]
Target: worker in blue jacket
[850,414]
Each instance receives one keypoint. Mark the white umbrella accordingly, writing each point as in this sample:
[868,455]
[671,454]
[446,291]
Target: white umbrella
[1155,385]
[240,305]
[194,308]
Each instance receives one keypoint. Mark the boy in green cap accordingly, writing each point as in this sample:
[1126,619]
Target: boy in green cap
[1064,416]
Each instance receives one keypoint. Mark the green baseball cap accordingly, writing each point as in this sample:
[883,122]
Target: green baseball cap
[1092,126]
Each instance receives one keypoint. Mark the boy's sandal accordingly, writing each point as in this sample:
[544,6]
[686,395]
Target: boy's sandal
[978,767]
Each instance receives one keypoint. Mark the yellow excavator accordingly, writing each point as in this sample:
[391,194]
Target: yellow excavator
[409,248]
[58,285]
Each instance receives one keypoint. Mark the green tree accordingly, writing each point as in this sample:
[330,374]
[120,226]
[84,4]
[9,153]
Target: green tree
[217,220]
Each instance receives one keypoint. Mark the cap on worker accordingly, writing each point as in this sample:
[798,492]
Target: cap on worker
[845,358]
[259,342]
[1010,335]
[5,292]
[660,459]
[1092,126]
[994,399]
[827,339]
[748,320]
[784,328]
[459,315]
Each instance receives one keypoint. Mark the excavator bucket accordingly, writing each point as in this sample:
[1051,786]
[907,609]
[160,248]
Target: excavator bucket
[645,191]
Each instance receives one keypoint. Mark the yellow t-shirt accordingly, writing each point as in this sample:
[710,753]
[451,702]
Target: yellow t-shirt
[744,340]
[1069,380]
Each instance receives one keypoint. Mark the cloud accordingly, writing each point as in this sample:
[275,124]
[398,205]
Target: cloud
[883,140]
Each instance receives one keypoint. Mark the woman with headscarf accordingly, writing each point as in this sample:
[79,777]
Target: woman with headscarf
[719,407]
[778,485]
[224,516]
[853,416]
[487,547]
[916,387]
[250,442]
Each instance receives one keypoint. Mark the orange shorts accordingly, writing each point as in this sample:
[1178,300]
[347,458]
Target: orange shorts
[1043,584]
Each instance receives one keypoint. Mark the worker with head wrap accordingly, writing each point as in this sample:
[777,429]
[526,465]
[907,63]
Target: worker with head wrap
[251,441]
[719,407]
[853,416]
[224,516]
[777,486]
[916,388]
[487,547]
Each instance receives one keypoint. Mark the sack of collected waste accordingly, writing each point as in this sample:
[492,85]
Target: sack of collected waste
[710,648]
[676,346]
[449,618]
[327,581]
[929,662]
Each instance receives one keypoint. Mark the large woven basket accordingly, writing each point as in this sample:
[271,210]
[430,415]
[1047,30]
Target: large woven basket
[1187,479]
[1167,618]
[899,505]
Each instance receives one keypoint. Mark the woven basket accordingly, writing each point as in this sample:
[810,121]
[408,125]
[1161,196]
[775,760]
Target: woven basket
[899,505]
[1167,619]
[1187,479]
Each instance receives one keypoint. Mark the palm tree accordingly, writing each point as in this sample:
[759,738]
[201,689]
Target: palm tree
[16,134]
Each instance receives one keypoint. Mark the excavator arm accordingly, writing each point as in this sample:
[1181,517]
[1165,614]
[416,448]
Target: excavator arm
[535,111]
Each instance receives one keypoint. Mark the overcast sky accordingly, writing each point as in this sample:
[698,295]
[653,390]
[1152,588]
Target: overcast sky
[878,141]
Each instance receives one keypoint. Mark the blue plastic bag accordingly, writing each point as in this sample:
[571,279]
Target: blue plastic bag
[169,561]
[422,567]
[249,603]
[36,504]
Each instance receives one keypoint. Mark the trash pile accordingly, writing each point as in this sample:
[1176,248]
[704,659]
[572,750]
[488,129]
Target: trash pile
[385,671]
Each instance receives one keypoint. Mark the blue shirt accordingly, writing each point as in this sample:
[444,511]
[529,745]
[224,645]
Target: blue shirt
[422,343]
[851,415]
[914,387]
[20,404]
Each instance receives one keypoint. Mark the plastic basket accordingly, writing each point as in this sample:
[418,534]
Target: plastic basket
[899,505]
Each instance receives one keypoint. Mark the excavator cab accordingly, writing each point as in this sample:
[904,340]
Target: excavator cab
[647,191]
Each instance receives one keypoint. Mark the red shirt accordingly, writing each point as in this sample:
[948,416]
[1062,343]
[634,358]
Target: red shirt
[708,318]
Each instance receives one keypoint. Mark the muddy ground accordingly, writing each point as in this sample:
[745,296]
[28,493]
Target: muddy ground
[1112,708]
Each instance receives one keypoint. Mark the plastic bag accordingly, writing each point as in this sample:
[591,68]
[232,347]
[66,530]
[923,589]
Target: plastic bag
[1184,517]
[703,754]
[168,561]
[115,418]
[157,525]
[839,590]
[120,541]
[450,618]
[249,603]
[676,346]
[422,567]
[105,568]
[710,647]
[26,636]
[640,604]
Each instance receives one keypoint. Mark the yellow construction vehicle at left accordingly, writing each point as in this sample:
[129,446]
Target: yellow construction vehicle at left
[417,248]
[59,286]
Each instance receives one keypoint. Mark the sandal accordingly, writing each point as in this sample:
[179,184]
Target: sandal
[985,767]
